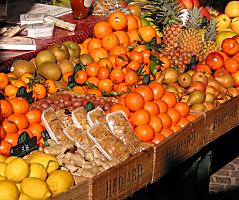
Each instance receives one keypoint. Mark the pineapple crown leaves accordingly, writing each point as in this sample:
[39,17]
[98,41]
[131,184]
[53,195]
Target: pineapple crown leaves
[194,19]
[211,30]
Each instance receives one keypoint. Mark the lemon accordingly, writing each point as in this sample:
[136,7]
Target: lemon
[41,191]
[18,186]
[2,168]
[24,197]
[48,161]
[2,158]
[59,181]
[2,178]
[37,170]
[8,190]
[9,159]
[17,170]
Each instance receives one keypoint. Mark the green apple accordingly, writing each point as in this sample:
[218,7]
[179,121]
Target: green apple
[223,22]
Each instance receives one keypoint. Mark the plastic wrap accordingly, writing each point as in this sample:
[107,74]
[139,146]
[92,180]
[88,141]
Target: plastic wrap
[96,116]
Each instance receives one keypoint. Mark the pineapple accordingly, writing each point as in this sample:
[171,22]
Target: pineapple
[209,44]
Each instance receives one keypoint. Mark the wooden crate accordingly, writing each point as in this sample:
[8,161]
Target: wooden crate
[125,178]
[78,192]
[222,119]
[179,147]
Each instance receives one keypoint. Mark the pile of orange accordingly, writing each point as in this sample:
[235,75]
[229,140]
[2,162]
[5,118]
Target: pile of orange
[154,114]
[115,66]
[18,117]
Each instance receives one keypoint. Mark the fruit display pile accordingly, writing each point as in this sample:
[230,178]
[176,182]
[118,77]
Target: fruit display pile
[79,109]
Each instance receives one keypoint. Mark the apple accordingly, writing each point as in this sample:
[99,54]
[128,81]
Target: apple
[60,51]
[232,9]
[188,4]
[222,36]
[196,3]
[235,25]
[204,13]
[223,22]
[73,49]
[236,37]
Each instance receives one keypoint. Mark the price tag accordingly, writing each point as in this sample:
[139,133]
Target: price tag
[45,137]
[25,145]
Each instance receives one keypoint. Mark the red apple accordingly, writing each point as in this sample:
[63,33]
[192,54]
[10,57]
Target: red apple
[196,3]
[204,13]
[187,3]
[236,37]
[202,68]
[214,60]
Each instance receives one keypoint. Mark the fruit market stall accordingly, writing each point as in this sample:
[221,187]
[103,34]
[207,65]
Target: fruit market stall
[109,114]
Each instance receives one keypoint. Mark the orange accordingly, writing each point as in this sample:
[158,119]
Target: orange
[94,44]
[99,53]
[93,80]
[133,36]
[133,65]
[66,76]
[165,62]
[110,41]
[119,106]
[3,80]
[134,101]
[34,116]
[83,49]
[19,83]
[9,126]
[2,133]
[106,85]
[40,91]
[156,123]
[214,60]
[146,56]
[122,87]
[158,138]
[236,56]
[80,77]
[10,90]
[121,60]
[20,105]
[86,41]
[163,106]
[230,46]
[112,59]
[118,20]
[92,69]
[51,86]
[231,65]
[121,100]
[140,117]
[174,114]
[78,89]
[191,117]
[101,29]
[5,148]
[131,77]
[36,130]
[146,92]
[132,23]
[105,62]
[19,119]
[6,108]
[147,33]
[166,119]
[167,132]
[94,92]
[12,138]
[103,73]
[152,107]
[123,38]
[136,56]
[117,75]
[118,50]
[158,90]
[182,108]
[175,128]
[224,55]
[170,99]
[140,48]
[183,122]
[139,20]
[145,132]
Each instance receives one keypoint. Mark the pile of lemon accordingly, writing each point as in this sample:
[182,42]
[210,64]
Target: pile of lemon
[36,177]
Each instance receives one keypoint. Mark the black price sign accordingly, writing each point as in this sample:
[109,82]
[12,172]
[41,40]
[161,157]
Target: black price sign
[25,145]
[45,136]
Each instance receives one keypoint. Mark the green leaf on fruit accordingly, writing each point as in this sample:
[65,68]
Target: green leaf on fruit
[112,93]
[90,85]
[21,91]
[146,79]
[71,81]
[153,67]
[131,48]
[28,97]
[89,106]
[79,67]
[140,71]
[122,58]
[191,64]
[204,21]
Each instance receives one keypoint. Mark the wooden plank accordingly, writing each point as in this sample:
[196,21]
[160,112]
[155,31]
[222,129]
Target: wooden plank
[179,147]
[78,192]
[222,119]
[124,179]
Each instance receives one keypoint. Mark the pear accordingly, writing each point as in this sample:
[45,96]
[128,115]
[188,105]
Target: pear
[171,88]
[86,59]
[50,71]
[233,91]
[191,72]
[171,76]
[184,80]
[208,105]
[44,57]
[198,107]
[196,96]
[197,85]
[212,90]
[226,80]
[217,85]
[184,98]
[210,97]
[200,76]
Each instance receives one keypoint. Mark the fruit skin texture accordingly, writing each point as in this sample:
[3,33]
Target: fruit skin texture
[41,192]
[101,29]
[134,101]
[230,46]
[8,190]
[59,181]
[37,170]
[17,170]
[235,25]
[232,9]
[223,22]
[145,132]
[118,20]
[214,60]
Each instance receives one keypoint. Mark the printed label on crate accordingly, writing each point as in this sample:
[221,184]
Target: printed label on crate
[25,145]
[45,137]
